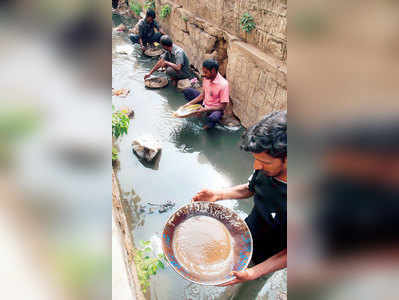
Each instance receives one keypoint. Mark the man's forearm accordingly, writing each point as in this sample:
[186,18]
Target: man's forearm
[156,67]
[274,263]
[196,100]
[173,66]
[236,192]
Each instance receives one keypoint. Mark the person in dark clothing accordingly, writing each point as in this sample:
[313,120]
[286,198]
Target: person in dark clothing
[267,141]
[115,4]
[174,60]
[147,35]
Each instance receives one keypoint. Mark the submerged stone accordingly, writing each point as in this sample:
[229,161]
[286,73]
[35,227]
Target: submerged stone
[146,148]
[183,84]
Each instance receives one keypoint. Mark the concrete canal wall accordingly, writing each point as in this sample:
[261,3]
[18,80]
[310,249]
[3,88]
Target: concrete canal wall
[126,239]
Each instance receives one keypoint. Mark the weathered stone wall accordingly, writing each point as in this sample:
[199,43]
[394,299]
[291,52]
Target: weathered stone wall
[270,17]
[257,82]
[254,63]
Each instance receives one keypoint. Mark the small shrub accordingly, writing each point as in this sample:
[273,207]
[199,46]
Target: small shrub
[120,123]
[136,8]
[247,22]
[165,11]
[146,265]
[149,4]
[185,19]
[115,154]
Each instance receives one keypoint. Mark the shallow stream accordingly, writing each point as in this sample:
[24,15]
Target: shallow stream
[191,159]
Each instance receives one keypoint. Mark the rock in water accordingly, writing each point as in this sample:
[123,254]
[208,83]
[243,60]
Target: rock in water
[183,84]
[124,49]
[146,148]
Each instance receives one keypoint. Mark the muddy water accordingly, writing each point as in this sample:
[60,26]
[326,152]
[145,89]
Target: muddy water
[191,159]
[203,246]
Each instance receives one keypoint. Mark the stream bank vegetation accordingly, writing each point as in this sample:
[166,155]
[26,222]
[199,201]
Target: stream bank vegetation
[120,125]
[136,7]
[247,22]
[149,4]
[147,263]
[165,11]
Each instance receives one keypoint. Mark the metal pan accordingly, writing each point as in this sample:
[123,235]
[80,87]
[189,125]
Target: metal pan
[238,229]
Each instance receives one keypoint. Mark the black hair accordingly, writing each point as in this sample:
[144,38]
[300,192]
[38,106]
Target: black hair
[166,41]
[150,13]
[269,135]
[210,64]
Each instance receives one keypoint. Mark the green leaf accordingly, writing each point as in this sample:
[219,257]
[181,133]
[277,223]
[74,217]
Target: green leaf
[160,264]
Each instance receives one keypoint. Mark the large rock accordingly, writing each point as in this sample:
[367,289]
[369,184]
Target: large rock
[146,148]
[183,84]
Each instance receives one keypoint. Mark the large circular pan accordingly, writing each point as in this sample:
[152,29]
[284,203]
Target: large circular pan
[153,52]
[156,82]
[238,229]
[187,111]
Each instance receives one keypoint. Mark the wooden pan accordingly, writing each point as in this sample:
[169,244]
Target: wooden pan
[156,82]
[153,52]
[186,111]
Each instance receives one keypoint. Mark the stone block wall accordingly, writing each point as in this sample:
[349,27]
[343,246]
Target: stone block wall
[258,83]
[254,63]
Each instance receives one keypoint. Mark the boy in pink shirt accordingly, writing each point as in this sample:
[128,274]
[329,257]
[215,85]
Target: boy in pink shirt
[215,94]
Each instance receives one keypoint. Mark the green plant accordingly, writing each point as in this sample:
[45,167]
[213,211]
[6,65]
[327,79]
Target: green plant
[185,19]
[147,266]
[247,22]
[120,123]
[115,154]
[149,4]
[165,11]
[136,7]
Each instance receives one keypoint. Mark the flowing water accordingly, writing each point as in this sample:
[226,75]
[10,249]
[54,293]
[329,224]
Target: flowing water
[191,159]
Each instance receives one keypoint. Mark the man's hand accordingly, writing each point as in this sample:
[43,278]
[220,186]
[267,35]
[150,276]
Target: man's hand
[242,276]
[272,264]
[146,76]
[143,48]
[207,195]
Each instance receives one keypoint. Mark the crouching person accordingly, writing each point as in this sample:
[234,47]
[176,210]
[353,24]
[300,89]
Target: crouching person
[147,35]
[215,94]
[174,60]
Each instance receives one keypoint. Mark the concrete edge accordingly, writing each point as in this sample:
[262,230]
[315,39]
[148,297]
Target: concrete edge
[126,239]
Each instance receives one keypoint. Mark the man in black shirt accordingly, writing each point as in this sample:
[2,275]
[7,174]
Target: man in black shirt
[267,141]
[147,34]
